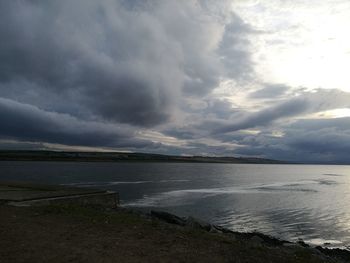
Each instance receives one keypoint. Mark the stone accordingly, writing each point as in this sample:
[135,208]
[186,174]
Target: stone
[215,229]
[169,218]
[197,223]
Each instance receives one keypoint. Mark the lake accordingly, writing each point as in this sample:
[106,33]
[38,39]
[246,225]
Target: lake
[287,201]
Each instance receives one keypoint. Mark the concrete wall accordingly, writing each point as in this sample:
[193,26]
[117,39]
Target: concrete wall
[106,199]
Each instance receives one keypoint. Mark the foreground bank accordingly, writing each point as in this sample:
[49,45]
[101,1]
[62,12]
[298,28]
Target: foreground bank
[69,233]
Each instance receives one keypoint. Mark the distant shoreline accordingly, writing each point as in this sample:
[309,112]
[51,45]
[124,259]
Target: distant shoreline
[125,157]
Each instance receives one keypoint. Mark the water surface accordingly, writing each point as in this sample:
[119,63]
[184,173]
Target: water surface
[288,201]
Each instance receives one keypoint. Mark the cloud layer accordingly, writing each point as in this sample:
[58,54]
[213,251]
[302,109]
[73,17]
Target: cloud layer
[176,77]
[129,63]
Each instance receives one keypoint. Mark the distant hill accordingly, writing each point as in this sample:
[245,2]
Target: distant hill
[123,157]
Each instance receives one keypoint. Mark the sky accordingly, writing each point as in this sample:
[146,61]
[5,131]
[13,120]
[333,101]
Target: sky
[189,77]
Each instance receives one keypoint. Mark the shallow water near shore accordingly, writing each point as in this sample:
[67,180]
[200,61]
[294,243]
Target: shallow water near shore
[287,201]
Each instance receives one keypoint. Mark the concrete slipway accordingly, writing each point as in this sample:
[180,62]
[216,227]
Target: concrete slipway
[28,194]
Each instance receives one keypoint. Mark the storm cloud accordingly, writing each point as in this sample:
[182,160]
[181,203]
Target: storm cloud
[175,77]
[30,123]
[302,104]
[308,140]
[128,63]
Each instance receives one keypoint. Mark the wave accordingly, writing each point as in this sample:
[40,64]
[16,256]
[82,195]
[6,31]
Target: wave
[188,196]
[330,174]
[326,182]
[301,186]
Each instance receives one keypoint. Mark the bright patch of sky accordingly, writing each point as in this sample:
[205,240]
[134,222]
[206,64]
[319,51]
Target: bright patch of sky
[302,43]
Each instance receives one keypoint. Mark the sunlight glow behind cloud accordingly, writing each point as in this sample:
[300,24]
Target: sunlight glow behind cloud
[305,42]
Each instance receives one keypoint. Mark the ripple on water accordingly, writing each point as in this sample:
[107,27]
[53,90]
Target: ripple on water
[332,174]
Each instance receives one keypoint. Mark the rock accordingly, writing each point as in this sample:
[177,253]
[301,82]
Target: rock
[302,243]
[316,251]
[197,223]
[167,217]
[225,230]
[335,253]
[215,229]
[268,240]
[291,245]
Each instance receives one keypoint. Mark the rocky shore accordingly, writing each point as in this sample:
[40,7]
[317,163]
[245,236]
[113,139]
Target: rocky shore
[254,237]
[67,233]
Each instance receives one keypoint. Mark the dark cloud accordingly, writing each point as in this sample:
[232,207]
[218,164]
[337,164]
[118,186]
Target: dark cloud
[326,139]
[276,132]
[308,140]
[110,73]
[29,123]
[266,116]
[308,102]
[119,63]
[123,61]
[233,53]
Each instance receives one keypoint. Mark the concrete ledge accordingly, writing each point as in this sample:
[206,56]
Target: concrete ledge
[107,199]
[24,194]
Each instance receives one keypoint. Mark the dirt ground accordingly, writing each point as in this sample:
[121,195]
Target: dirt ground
[76,234]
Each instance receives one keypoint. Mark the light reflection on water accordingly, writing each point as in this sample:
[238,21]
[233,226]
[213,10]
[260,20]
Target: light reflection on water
[288,201]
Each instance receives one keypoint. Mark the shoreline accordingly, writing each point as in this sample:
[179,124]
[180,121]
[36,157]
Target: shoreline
[172,218]
[29,212]
[197,223]
[148,232]
[125,157]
